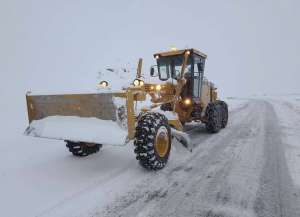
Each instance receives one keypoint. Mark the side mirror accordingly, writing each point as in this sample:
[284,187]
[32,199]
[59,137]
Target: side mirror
[152,71]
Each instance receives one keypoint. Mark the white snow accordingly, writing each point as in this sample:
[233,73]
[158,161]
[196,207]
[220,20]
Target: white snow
[117,78]
[234,103]
[92,130]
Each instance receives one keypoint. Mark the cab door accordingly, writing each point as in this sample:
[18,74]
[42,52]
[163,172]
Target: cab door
[198,69]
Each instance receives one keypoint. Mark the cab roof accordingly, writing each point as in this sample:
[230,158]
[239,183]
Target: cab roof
[180,52]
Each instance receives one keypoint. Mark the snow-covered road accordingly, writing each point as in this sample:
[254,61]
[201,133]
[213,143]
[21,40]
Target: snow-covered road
[240,172]
[250,168]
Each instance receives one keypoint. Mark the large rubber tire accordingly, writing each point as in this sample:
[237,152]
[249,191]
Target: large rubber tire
[166,107]
[224,119]
[150,127]
[214,117]
[81,149]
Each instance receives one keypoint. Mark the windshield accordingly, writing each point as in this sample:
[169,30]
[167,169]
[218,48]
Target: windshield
[170,67]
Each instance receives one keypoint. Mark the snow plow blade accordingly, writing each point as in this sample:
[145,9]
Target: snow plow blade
[183,138]
[91,118]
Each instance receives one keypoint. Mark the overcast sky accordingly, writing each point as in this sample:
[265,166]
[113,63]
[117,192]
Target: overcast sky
[252,46]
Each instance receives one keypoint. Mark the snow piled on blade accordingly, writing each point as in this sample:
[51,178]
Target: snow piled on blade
[118,78]
[91,130]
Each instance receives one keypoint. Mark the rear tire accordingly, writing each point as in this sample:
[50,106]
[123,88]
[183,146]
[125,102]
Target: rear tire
[81,149]
[224,119]
[214,117]
[152,141]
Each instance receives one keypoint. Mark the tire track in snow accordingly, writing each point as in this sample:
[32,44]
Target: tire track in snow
[276,196]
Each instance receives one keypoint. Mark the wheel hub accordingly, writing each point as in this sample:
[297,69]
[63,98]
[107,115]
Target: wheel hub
[162,142]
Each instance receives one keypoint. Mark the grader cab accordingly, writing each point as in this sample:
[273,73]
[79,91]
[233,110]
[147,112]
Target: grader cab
[88,121]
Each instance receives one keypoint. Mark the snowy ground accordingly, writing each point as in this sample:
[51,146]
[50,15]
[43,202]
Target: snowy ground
[251,168]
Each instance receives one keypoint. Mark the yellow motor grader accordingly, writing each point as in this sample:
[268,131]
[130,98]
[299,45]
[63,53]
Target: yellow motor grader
[88,121]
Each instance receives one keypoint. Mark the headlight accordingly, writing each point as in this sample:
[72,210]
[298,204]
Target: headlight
[138,82]
[158,87]
[103,84]
[187,101]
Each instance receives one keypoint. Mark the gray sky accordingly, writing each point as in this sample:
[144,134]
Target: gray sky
[252,46]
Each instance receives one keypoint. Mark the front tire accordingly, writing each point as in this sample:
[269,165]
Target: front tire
[81,149]
[152,141]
